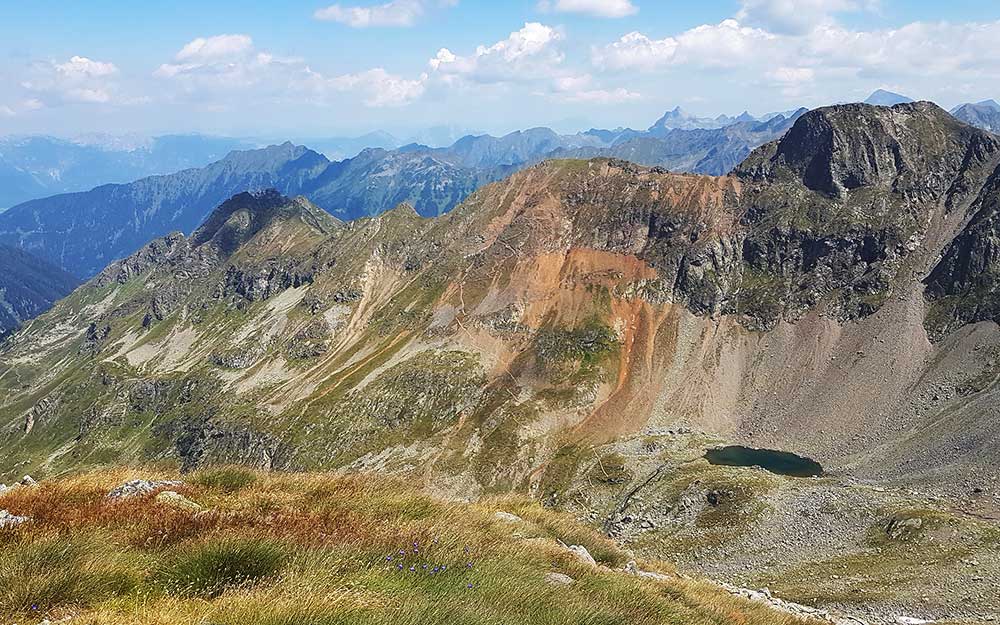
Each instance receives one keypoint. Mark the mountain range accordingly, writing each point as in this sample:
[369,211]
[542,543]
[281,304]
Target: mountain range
[39,166]
[84,231]
[584,331]
[565,283]
[985,115]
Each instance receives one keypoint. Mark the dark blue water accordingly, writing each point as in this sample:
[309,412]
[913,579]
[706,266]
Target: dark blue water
[780,462]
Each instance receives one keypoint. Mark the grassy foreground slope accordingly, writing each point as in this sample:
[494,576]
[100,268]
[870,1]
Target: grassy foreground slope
[322,549]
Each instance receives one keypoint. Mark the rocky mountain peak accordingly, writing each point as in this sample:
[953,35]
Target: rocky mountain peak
[914,148]
[240,218]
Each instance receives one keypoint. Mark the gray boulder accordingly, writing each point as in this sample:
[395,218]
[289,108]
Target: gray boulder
[138,488]
[11,520]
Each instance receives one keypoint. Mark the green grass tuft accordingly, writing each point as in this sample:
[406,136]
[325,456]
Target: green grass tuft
[209,569]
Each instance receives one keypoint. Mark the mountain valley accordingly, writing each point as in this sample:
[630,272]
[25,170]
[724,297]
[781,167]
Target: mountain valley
[580,331]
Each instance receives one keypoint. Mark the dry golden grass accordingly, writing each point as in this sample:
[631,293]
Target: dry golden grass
[321,549]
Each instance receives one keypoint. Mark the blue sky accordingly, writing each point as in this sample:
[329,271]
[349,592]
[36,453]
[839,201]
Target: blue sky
[314,68]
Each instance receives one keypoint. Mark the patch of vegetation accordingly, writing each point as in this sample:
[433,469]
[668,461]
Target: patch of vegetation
[412,400]
[587,344]
[711,505]
[575,356]
[610,469]
[39,574]
[208,569]
[225,479]
[761,296]
[559,474]
[325,549]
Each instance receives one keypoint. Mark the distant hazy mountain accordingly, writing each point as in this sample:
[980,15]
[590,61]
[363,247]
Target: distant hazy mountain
[439,136]
[378,180]
[679,119]
[38,166]
[84,231]
[713,151]
[28,287]
[985,115]
[338,148]
[881,97]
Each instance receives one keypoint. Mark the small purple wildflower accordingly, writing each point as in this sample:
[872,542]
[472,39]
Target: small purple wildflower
[412,569]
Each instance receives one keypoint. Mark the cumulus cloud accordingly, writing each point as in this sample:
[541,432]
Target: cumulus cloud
[727,44]
[381,88]
[792,75]
[219,47]
[225,65]
[597,8]
[797,16]
[79,79]
[581,88]
[526,54]
[223,61]
[80,67]
[397,13]
[829,50]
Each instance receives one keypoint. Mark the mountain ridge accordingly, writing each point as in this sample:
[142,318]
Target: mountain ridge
[802,225]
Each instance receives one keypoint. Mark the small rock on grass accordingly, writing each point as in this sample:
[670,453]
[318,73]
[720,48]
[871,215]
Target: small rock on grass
[582,554]
[138,488]
[507,517]
[558,579]
[176,500]
[633,569]
[11,520]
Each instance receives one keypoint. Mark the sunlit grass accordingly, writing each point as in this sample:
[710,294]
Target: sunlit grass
[318,549]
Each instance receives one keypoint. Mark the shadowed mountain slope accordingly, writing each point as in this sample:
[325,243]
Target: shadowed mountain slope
[28,287]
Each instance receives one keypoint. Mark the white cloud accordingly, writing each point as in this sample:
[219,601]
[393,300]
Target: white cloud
[727,44]
[382,89]
[80,67]
[845,61]
[225,67]
[917,49]
[792,75]
[797,16]
[80,79]
[580,88]
[226,62]
[597,8]
[397,13]
[526,54]
[219,47]
[6,111]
